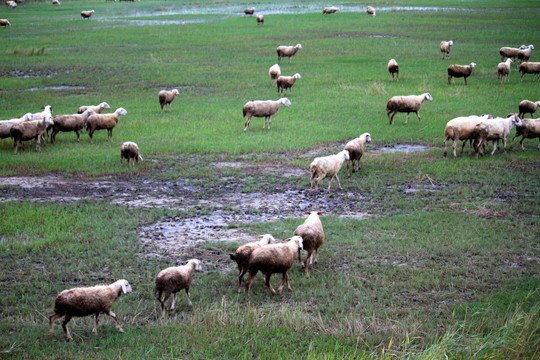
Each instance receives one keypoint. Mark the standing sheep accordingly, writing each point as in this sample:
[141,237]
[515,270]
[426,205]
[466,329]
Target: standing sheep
[97,108]
[5,22]
[287,51]
[130,151]
[408,104]
[529,129]
[458,71]
[503,70]
[524,54]
[527,107]
[393,68]
[103,121]
[260,19]
[55,2]
[45,114]
[249,11]
[529,68]
[5,125]
[28,130]
[167,97]
[242,254]
[462,128]
[286,82]
[510,52]
[86,14]
[371,11]
[173,279]
[73,122]
[327,166]
[260,108]
[274,72]
[273,258]
[355,148]
[312,234]
[86,301]
[446,46]
[330,10]
[495,130]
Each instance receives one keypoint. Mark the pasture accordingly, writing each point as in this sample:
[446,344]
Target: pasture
[425,257]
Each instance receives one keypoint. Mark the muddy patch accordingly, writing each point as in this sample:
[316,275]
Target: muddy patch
[403,148]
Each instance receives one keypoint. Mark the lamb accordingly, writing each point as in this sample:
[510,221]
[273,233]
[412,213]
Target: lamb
[84,301]
[355,148]
[462,128]
[458,71]
[86,14]
[529,68]
[261,108]
[330,10]
[273,258]
[393,68]
[28,130]
[446,46]
[524,54]
[494,130]
[327,166]
[260,19]
[173,279]
[167,97]
[527,107]
[503,69]
[97,108]
[103,121]
[286,82]
[288,51]
[408,104]
[5,22]
[371,11]
[67,123]
[130,151]
[510,52]
[312,234]
[249,11]
[529,129]
[242,254]
[5,125]
[274,72]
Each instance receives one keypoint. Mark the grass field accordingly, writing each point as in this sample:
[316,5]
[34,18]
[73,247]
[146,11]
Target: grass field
[444,264]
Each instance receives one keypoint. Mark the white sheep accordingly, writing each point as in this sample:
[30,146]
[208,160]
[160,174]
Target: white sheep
[12,4]
[393,68]
[327,166]
[74,122]
[47,115]
[458,71]
[104,121]
[529,68]
[5,125]
[503,70]
[288,51]
[249,11]
[286,82]
[462,128]
[330,10]
[167,97]
[130,151]
[527,107]
[446,46]
[273,258]
[263,108]
[355,147]
[97,108]
[86,14]
[494,130]
[274,72]
[525,54]
[371,11]
[510,52]
[84,301]
[173,279]
[5,22]
[408,104]
[529,129]
[312,234]
[242,254]
[55,2]
[260,19]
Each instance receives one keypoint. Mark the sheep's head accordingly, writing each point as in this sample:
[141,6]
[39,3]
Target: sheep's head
[472,65]
[299,46]
[450,43]
[90,111]
[47,108]
[267,239]
[531,47]
[175,91]
[537,103]
[516,121]
[285,101]
[428,97]
[345,154]
[487,116]
[126,288]
[104,105]
[298,240]
[509,61]
[27,117]
[297,76]
[121,111]
[367,137]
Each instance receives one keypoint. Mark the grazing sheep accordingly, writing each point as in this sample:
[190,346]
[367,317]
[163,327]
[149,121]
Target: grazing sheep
[330,10]
[327,166]
[55,2]
[5,22]
[494,130]
[260,108]
[462,128]
[510,52]
[130,151]
[86,14]
[274,72]
[286,82]
[97,108]
[503,70]
[249,11]
[273,258]
[446,46]
[260,19]
[103,121]
[28,130]
[242,254]
[458,71]
[84,301]
[408,104]
[67,123]
[288,51]
[5,125]
[173,279]
[167,97]
[524,54]
[529,129]
[371,11]
[393,68]
[527,107]
[312,234]
[355,147]
[529,68]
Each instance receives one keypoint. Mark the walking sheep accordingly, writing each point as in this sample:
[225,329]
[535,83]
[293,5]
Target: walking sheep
[355,147]
[462,128]
[5,22]
[263,108]
[446,46]
[260,19]
[130,151]
[242,254]
[5,125]
[527,107]
[28,130]
[371,11]
[503,70]
[167,97]
[273,258]
[458,71]
[86,14]
[97,108]
[408,104]
[312,234]
[529,129]
[173,279]
[529,68]
[330,10]
[393,68]
[274,72]
[510,52]
[327,166]
[86,301]
[67,123]
[286,82]
[494,130]
[524,54]
[103,121]
[287,51]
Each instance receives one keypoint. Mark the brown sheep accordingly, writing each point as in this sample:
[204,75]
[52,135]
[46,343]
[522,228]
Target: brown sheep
[28,130]
[249,11]
[393,68]
[458,71]
[446,46]
[287,51]
[263,108]
[67,123]
[260,19]
[86,14]
[286,82]
[242,254]
[355,147]
[312,234]
[371,11]
[167,97]
[97,108]
[104,121]
[529,68]
[527,107]
[529,129]
[130,151]
[5,22]
[173,279]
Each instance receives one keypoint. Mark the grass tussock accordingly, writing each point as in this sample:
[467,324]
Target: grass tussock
[31,51]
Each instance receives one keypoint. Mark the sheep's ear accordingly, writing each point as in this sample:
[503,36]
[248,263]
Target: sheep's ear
[308,212]
[124,287]
[319,213]
[289,239]
[185,262]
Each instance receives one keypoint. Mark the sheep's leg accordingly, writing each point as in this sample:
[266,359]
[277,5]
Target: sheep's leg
[188,297]
[91,134]
[247,122]
[494,147]
[521,143]
[299,256]
[449,79]
[289,59]
[243,270]
[286,278]
[407,119]
[267,283]
[15,146]
[339,184]
[330,183]
[418,116]
[283,282]
[52,318]
[118,326]
[454,147]
[512,142]
[38,142]
[311,192]
[269,121]
[305,264]
[109,134]
[392,116]
[78,132]
[64,326]
[96,323]
[173,301]
[348,174]
[248,284]
[445,143]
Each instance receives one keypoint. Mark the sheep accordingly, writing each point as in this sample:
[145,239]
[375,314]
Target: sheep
[12,4]
[288,51]
[371,11]
[503,69]
[260,108]
[494,130]
[393,68]
[55,2]
[86,14]
[5,125]
[84,301]
[458,71]
[330,10]
[130,151]
[97,108]
[28,130]
[45,114]
[529,129]
[527,107]
[524,54]
[355,148]
[9,2]
[462,128]
[103,121]
[260,19]
[173,279]
[286,82]
[274,72]
[242,254]
[446,46]
[529,68]
[167,97]
[408,104]
[312,234]
[73,122]
[249,11]
[273,258]
[327,166]
[5,22]
[510,52]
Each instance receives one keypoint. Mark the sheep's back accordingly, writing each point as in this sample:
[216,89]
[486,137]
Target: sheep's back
[312,237]
[261,108]
[84,301]
[355,148]
[271,258]
[173,279]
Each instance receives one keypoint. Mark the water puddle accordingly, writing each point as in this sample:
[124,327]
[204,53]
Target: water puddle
[55,87]
[404,148]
